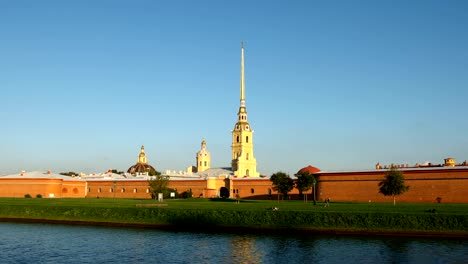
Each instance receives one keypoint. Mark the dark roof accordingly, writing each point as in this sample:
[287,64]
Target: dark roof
[140,167]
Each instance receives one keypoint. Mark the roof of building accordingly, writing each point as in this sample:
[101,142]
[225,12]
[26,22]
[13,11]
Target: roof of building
[309,169]
[209,173]
[106,176]
[428,168]
[39,175]
[215,172]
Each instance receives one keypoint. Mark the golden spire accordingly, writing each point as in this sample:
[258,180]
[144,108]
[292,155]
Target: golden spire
[142,156]
[242,81]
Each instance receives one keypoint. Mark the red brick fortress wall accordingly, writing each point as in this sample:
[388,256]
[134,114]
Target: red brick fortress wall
[426,185]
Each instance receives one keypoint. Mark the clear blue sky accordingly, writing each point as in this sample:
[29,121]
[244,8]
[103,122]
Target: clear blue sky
[339,85]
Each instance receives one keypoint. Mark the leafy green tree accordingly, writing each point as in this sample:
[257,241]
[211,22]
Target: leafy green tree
[304,182]
[153,172]
[117,171]
[158,184]
[393,184]
[282,183]
[70,173]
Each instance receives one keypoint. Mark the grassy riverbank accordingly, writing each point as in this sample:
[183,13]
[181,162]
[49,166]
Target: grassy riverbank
[204,213]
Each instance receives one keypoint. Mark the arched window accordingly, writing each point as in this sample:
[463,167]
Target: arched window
[247,156]
[64,190]
[123,190]
[237,139]
[205,163]
[111,190]
[252,190]
[200,163]
[247,172]
[247,139]
[99,190]
[75,190]
[135,190]
[147,190]
[89,189]
[269,192]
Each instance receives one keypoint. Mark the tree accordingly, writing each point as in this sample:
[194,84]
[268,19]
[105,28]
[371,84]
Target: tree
[282,183]
[158,184]
[393,184]
[70,173]
[304,182]
[153,172]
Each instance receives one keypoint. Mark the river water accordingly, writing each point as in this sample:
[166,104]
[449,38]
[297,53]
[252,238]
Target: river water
[46,243]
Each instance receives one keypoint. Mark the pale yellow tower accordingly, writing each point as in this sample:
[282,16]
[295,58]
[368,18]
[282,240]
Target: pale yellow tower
[243,160]
[203,158]
[449,162]
[142,156]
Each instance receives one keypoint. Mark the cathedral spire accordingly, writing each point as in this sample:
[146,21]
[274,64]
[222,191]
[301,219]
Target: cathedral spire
[243,162]
[242,81]
[242,114]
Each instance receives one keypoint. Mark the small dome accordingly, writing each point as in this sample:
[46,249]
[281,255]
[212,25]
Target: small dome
[309,169]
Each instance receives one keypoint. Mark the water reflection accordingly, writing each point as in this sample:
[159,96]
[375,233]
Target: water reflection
[244,250]
[40,243]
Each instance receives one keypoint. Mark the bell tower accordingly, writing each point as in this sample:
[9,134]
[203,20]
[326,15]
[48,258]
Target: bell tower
[243,160]
[203,158]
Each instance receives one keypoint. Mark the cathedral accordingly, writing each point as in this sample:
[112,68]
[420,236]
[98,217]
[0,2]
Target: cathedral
[243,163]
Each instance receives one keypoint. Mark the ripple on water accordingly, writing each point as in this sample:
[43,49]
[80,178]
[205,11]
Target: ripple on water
[44,243]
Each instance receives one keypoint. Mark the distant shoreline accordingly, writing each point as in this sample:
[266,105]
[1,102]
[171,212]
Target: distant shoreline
[247,229]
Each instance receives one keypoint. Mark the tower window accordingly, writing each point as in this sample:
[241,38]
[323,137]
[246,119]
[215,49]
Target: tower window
[247,139]
[205,163]
[200,163]
[247,172]
[247,156]
[237,139]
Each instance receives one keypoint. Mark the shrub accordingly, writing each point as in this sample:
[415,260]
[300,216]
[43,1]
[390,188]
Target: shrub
[187,194]
[27,196]
[39,195]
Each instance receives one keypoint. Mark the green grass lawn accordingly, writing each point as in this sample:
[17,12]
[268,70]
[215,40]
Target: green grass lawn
[194,213]
[228,204]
